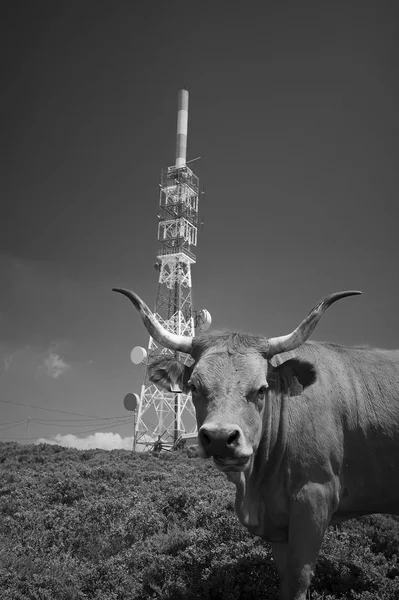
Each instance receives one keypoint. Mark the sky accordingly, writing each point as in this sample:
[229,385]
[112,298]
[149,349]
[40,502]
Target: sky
[294,111]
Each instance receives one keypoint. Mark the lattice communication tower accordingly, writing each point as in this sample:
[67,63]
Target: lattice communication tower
[167,417]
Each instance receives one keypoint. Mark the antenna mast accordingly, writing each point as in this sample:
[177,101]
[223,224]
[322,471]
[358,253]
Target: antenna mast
[164,417]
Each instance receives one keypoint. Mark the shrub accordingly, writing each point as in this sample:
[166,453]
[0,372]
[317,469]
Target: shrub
[98,525]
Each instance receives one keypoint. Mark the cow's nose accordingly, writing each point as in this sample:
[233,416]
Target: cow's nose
[216,440]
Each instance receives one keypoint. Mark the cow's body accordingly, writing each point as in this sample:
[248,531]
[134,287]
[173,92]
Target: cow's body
[341,432]
[309,437]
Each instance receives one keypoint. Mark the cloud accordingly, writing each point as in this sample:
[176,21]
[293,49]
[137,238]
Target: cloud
[102,440]
[33,360]
[7,362]
[8,357]
[54,365]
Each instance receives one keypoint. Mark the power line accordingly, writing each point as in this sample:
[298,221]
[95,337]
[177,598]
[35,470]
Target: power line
[105,427]
[89,419]
[66,412]
[10,422]
[80,433]
[16,424]
[59,424]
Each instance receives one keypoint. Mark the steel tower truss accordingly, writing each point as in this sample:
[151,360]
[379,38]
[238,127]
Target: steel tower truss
[165,416]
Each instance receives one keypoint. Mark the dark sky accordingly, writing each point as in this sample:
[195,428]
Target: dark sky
[294,110]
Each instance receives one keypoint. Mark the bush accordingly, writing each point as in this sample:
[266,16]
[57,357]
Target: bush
[98,525]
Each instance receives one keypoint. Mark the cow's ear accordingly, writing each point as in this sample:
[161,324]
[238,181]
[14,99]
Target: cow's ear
[169,373]
[292,376]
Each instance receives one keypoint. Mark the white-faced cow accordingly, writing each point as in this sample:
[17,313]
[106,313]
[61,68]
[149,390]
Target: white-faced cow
[308,432]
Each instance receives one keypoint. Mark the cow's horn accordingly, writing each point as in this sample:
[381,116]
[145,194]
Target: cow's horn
[293,340]
[180,343]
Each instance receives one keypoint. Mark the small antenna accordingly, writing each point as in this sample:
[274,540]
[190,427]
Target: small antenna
[192,160]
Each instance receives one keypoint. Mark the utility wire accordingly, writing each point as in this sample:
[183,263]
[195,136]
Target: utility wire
[106,426]
[84,422]
[57,422]
[110,424]
[90,420]
[66,412]
[81,432]
[17,424]
[10,422]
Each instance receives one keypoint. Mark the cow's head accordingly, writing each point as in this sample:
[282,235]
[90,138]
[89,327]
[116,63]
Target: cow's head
[231,380]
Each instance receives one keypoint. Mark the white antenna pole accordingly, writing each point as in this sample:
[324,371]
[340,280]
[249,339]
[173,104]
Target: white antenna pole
[134,430]
[182,127]
[27,430]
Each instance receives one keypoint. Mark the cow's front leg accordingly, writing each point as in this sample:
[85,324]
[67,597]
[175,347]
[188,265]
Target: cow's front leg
[279,551]
[310,514]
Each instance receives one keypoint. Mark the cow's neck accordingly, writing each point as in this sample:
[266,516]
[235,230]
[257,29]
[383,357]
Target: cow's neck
[254,483]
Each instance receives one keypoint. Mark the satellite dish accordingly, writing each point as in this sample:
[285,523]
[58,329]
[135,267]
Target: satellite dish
[130,401]
[203,320]
[138,355]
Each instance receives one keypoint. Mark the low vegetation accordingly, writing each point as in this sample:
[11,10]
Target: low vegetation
[77,525]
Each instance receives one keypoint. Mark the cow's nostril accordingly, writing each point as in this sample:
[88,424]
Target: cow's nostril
[205,438]
[233,437]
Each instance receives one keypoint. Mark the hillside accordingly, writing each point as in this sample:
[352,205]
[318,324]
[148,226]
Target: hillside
[116,525]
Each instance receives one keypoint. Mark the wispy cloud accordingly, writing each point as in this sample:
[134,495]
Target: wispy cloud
[102,440]
[8,357]
[32,360]
[54,365]
[7,360]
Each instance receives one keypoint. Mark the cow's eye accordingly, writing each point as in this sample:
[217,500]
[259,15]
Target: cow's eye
[192,388]
[261,394]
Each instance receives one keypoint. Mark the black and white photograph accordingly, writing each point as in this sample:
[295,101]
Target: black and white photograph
[199,324]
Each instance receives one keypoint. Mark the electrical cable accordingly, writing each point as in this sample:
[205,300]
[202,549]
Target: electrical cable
[50,421]
[17,424]
[9,422]
[67,412]
[80,433]
[58,424]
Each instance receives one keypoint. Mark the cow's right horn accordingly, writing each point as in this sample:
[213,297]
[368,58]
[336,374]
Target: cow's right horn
[180,343]
[293,340]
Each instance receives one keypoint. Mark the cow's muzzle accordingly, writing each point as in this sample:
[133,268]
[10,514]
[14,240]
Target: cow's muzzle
[226,444]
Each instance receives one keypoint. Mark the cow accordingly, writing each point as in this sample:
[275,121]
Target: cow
[307,431]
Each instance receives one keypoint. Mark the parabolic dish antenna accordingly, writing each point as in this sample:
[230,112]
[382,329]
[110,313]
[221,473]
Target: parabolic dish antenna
[203,320]
[138,355]
[130,401]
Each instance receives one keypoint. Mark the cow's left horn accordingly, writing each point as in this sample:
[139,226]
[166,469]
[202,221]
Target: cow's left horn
[295,339]
[180,343]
